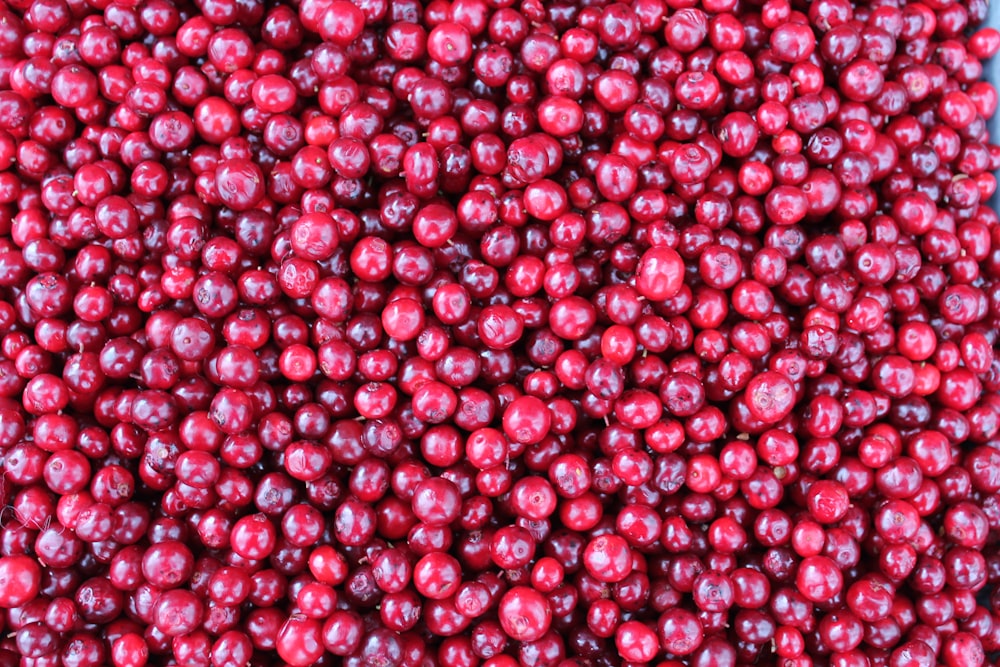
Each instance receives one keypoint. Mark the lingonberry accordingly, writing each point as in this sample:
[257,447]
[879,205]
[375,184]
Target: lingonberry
[518,297]
[525,614]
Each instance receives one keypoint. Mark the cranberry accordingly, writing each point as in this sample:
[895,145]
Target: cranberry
[532,333]
[525,614]
[659,273]
[22,578]
[299,642]
[770,397]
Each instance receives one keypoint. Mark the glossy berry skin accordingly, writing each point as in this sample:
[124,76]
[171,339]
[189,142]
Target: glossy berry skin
[240,184]
[21,576]
[636,642]
[818,578]
[770,397]
[679,631]
[500,327]
[395,333]
[659,274]
[607,558]
[525,614]
[527,420]
[299,642]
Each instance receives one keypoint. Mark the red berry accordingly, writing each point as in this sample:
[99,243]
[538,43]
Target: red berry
[660,274]
[524,614]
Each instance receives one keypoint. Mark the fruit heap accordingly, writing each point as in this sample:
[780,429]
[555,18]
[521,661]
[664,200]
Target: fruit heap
[391,333]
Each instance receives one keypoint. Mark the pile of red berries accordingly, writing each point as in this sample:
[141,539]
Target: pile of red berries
[484,333]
